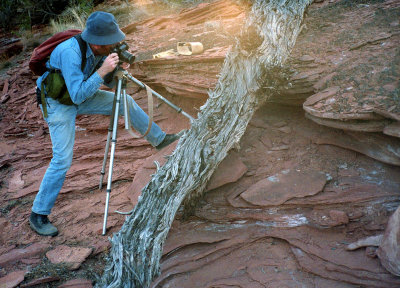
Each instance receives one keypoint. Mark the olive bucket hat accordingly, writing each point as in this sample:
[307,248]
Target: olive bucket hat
[102,29]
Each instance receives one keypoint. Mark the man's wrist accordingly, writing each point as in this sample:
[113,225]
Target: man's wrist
[101,72]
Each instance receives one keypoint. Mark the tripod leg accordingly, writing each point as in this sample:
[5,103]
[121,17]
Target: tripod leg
[110,129]
[126,110]
[112,154]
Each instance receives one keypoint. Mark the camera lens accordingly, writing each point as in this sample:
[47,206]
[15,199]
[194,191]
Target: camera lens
[127,57]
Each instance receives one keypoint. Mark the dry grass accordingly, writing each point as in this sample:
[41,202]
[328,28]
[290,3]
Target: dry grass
[71,18]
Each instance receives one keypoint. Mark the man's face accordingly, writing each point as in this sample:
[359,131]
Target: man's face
[102,50]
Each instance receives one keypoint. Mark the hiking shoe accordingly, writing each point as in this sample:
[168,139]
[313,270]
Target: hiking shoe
[169,138]
[41,225]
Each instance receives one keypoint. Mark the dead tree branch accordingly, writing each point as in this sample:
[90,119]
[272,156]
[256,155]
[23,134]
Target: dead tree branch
[254,63]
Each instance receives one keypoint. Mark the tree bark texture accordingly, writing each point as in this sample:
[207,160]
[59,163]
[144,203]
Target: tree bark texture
[250,72]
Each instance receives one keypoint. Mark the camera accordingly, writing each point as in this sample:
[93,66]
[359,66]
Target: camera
[124,56]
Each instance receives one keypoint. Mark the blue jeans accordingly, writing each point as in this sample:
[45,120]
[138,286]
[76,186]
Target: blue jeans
[61,122]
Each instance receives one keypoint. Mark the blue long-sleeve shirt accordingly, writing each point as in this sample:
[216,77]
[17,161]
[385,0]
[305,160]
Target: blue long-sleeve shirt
[67,57]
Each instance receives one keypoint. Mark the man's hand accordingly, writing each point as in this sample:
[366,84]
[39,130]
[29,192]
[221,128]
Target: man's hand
[108,65]
[125,66]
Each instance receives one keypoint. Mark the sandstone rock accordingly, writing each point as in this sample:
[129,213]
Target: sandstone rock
[328,97]
[377,146]
[301,85]
[306,58]
[19,254]
[16,183]
[10,48]
[352,125]
[265,139]
[346,274]
[73,257]
[332,218]
[329,258]
[77,283]
[110,224]
[226,244]
[101,246]
[40,281]
[394,23]
[13,279]
[389,250]
[365,242]
[387,114]
[280,148]
[375,50]
[392,129]
[31,261]
[256,122]
[285,129]
[288,184]
[230,170]
[339,217]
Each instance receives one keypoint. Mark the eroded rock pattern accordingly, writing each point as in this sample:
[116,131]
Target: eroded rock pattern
[354,70]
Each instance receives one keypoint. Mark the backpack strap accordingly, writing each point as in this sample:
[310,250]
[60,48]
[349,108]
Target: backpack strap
[83,47]
[42,97]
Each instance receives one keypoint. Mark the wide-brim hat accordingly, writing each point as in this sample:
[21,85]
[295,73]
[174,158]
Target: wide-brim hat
[102,29]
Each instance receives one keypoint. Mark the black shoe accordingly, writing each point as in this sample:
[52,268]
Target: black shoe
[169,138]
[41,225]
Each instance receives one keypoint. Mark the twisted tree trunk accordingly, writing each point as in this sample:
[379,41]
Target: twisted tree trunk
[248,77]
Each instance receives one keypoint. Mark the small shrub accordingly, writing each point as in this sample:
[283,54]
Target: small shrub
[124,12]
[26,13]
[71,18]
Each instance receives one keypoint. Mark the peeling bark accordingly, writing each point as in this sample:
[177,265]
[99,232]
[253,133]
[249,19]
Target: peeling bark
[250,73]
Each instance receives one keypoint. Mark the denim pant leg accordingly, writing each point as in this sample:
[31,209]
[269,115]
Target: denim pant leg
[102,102]
[61,122]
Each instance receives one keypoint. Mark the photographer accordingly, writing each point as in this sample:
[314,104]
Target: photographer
[101,35]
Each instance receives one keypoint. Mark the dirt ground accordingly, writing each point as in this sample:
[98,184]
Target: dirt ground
[280,212]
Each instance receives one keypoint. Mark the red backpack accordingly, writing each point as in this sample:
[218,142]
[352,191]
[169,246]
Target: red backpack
[41,54]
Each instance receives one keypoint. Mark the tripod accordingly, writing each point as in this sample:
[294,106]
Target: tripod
[120,94]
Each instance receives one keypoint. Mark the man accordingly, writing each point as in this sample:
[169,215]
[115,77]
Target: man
[101,34]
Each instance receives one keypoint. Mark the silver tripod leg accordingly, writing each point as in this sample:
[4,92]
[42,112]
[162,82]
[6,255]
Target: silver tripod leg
[113,144]
[110,129]
[102,173]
